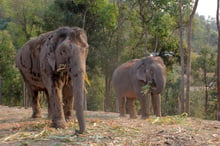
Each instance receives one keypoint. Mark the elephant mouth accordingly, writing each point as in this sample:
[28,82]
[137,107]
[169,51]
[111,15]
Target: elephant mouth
[148,86]
[62,68]
[152,83]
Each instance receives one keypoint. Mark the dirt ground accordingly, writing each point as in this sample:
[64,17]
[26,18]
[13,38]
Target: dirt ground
[18,129]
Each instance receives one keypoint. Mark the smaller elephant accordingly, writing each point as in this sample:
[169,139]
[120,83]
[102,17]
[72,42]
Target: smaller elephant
[129,79]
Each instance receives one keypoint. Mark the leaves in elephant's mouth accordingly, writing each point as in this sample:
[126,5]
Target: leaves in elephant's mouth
[61,67]
[145,89]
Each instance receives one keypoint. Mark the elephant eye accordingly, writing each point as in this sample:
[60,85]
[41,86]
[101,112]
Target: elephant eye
[63,51]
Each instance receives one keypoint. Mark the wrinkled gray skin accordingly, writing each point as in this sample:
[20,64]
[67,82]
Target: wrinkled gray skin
[128,80]
[55,62]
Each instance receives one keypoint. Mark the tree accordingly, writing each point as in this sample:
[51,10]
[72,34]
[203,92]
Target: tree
[189,38]
[11,82]
[181,57]
[146,13]
[203,65]
[26,18]
[218,62]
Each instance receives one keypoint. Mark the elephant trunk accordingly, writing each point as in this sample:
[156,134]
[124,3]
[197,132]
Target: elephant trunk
[78,89]
[159,80]
[77,72]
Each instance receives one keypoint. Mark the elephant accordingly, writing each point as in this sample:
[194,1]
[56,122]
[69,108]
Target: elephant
[55,62]
[128,81]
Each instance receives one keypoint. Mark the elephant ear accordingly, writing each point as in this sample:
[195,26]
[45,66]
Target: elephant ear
[141,72]
[52,42]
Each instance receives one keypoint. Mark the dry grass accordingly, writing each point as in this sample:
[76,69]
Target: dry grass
[16,128]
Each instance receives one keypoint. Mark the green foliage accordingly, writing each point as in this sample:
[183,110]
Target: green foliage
[212,104]
[15,31]
[11,87]
[171,93]
[204,66]
[95,96]
[145,89]
[203,78]
[168,120]
[4,23]
[198,100]
[204,34]
[26,18]
[63,13]
[197,103]
[106,14]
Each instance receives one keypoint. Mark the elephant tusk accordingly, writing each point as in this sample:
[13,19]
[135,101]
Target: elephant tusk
[85,90]
[87,79]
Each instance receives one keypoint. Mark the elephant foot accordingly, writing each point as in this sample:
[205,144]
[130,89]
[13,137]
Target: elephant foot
[49,116]
[144,117]
[122,115]
[59,124]
[69,118]
[37,115]
[158,114]
[133,116]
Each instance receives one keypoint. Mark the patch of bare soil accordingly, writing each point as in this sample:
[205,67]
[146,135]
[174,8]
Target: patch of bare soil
[17,128]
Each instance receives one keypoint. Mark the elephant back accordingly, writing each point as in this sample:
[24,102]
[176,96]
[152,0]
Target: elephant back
[28,62]
[122,79]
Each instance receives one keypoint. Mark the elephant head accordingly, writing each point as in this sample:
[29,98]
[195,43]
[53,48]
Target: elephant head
[151,71]
[68,54]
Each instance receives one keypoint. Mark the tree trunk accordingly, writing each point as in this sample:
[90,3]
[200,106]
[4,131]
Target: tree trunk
[25,97]
[118,33]
[146,41]
[145,19]
[181,57]
[206,89]
[84,18]
[218,62]
[107,100]
[189,38]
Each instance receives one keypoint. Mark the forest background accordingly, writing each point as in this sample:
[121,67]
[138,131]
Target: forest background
[117,31]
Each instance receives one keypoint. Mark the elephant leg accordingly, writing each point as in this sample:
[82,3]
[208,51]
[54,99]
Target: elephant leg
[122,107]
[35,103]
[132,108]
[56,105]
[156,102]
[144,102]
[68,101]
[49,110]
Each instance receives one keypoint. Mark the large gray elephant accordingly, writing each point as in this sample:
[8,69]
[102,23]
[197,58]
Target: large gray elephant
[55,62]
[129,79]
